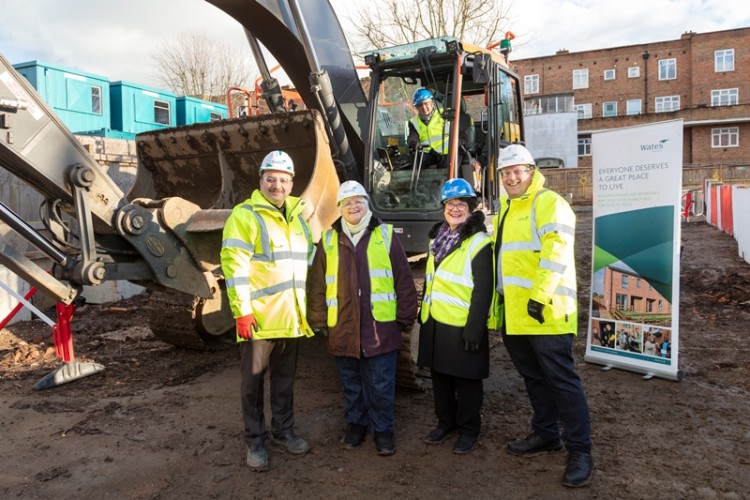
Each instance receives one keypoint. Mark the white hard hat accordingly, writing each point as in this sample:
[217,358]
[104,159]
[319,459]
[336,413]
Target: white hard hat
[349,189]
[277,160]
[515,154]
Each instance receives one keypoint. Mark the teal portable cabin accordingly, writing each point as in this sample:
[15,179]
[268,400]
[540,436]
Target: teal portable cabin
[136,108]
[191,110]
[80,100]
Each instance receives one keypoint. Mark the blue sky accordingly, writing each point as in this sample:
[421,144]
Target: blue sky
[116,39]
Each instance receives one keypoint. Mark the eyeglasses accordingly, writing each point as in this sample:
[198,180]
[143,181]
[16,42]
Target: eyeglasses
[516,171]
[277,180]
[353,203]
[456,205]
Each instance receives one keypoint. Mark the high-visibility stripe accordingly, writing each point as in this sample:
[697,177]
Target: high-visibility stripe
[552,266]
[277,288]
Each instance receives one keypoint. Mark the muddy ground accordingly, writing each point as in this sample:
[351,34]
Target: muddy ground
[163,422]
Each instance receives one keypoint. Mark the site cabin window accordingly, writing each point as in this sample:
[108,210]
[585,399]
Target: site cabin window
[531,84]
[96,99]
[580,79]
[725,137]
[633,107]
[724,97]
[667,103]
[584,111]
[609,74]
[584,147]
[668,69]
[609,109]
[634,72]
[724,60]
[161,112]
[215,117]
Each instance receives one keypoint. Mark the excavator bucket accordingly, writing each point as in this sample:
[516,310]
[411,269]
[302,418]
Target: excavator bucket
[215,165]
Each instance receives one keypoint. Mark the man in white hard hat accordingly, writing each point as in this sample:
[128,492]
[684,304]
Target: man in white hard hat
[536,306]
[266,249]
[362,292]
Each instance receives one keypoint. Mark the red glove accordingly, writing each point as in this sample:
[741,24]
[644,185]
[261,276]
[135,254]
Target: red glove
[246,325]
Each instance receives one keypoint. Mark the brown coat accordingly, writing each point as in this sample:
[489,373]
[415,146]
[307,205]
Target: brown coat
[356,332]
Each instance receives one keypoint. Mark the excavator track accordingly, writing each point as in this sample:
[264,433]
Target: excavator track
[178,319]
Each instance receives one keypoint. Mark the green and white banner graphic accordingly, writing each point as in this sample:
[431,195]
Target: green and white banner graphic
[635,280]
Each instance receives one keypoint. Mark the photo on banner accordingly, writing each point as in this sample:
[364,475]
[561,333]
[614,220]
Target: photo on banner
[634,303]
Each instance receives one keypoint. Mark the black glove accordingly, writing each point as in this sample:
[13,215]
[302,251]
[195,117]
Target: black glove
[321,331]
[471,346]
[535,310]
[413,143]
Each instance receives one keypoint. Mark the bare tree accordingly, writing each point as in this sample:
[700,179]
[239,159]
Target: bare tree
[393,22]
[195,65]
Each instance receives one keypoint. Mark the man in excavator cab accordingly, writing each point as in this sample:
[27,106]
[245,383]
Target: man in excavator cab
[427,132]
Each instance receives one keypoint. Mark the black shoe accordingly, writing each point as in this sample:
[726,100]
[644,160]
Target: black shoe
[464,444]
[384,443]
[533,445]
[437,435]
[291,442]
[579,470]
[355,435]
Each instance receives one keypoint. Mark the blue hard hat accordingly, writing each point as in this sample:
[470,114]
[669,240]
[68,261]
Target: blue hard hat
[456,188]
[422,95]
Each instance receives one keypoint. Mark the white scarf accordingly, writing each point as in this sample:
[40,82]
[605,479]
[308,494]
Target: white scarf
[355,232]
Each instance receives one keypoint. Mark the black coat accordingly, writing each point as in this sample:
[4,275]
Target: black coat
[441,346]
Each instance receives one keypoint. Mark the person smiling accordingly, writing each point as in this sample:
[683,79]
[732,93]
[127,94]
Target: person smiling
[453,338]
[362,296]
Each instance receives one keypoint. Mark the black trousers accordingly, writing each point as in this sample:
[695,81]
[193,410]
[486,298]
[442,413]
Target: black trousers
[278,357]
[458,402]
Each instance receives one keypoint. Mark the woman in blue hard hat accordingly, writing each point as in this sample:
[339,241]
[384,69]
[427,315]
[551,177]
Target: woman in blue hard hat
[453,339]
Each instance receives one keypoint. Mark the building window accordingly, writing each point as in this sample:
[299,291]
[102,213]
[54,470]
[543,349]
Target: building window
[548,104]
[609,108]
[634,72]
[161,112]
[531,84]
[668,103]
[625,281]
[580,78]
[621,300]
[667,69]
[725,137]
[661,306]
[638,282]
[724,97]
[724,60]
[609,74]
[584,111]
[633,107]
[96,99]
[584,147]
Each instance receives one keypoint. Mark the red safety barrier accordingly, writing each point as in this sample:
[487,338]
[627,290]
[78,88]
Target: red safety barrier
[727,222]
[62,334]
[714,206]
[18,307]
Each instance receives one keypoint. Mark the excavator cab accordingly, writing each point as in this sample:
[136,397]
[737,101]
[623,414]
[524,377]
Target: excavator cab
[479,99]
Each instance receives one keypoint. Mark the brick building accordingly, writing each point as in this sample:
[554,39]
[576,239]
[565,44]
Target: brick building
[626,295]
[703,78]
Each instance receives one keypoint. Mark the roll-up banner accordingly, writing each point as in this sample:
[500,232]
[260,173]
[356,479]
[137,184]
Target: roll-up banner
[635,279]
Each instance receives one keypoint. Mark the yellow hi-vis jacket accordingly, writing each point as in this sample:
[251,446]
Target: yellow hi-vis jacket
[432,132]
[447,289]
[535,261]
[265,258]
[383,291]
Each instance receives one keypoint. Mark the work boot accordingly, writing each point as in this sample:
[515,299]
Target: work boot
[355,435]
[579,470]
[464,444]
[437,435]
[291,442]
[534,445]
[257,458]
[384,443]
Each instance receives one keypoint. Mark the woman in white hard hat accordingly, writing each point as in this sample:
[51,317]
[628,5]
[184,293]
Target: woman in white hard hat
[361,291]
[453,339]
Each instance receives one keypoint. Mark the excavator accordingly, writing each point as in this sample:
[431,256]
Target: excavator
[165,233]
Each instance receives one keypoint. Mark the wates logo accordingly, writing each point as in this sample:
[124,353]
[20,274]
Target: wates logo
[657,146]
